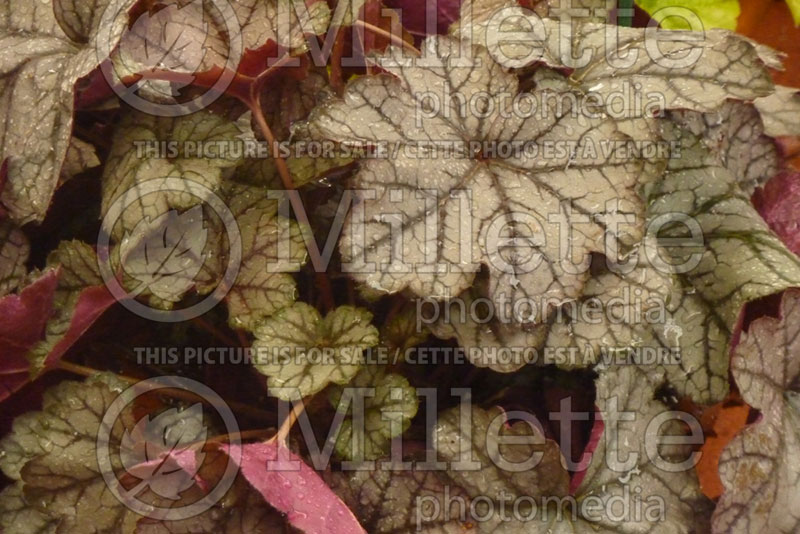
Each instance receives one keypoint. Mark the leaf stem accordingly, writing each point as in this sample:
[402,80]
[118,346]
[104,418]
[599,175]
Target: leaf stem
[398,41]
[288,423]
[215,332]
[259,80]
[280,163]
[294,197]
[82,370]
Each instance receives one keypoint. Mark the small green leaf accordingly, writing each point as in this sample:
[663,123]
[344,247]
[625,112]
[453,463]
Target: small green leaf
[297,348]
[712,13]
[404,331]
[734,137]
[387,414]
[780,111]
[794,7]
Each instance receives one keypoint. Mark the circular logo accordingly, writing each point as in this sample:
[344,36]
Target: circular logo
[166,50]
[164,254]
[164,454]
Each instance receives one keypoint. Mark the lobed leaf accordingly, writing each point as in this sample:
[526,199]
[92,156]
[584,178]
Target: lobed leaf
[297,348]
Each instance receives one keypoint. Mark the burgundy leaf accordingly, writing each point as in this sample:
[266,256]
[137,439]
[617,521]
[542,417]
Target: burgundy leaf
[301,494]
[779,203]
[415,15]
[24,318]
[3,178]
[92,303]
[594,438]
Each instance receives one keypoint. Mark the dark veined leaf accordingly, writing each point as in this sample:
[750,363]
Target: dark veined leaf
[737,259]
[526,189]
[264,284]
[299,350]
[387,414]
[717,64]
[14,251]
[46,48]
[759,468]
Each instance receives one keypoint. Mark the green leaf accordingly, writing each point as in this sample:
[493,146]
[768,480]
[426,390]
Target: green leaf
[780,111]
[53,453]
[734,137]
[81,156]
[137,155]
[282,21]
[712,13]
[162,230]
[625,398]
[738,258]
[499,343]
[456,441]
[17,517]
[242,511]
[794,7]
[393,501]
[387,414]
[40,62]
[53,457]
[264,284]
[297,348]
[403,331]
[286,104]
[14,252]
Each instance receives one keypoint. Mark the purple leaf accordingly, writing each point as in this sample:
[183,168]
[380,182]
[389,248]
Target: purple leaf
[415,15]
[300,493]
[92,303]
[24,318]
[779,203]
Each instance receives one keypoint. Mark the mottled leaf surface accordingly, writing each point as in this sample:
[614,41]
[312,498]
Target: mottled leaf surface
[451,210]
[388,411]
[272,248]
[738,258]
[760,468]
[780,111]
[39,66]
[298,348]
[14,251]
[735,137]
[720,64]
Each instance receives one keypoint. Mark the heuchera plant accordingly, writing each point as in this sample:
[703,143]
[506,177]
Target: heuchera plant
[448,267]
